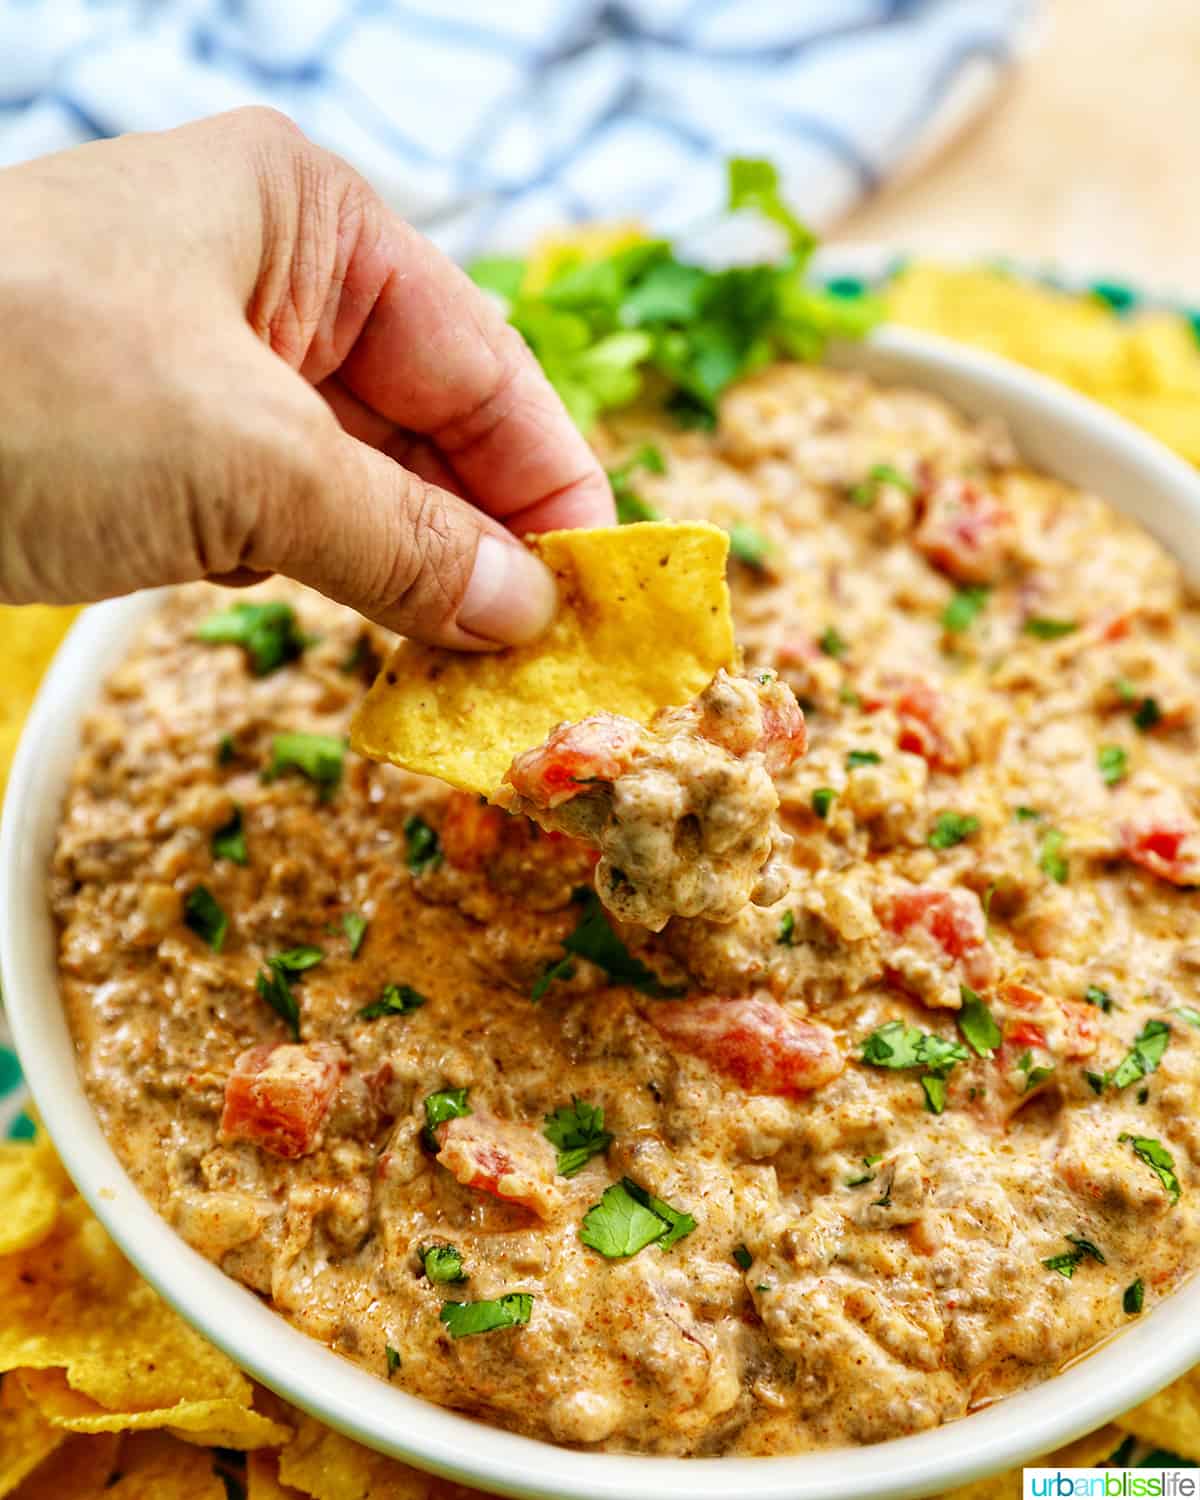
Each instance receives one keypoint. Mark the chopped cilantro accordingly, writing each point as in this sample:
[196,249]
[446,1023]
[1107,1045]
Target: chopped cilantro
[1026,814]
[297,960]
[1050,630]
[443,1263]
[563,969]
[1034,1073]
[952,828]
[1145,1054]
[272,985]
[832,642]
[446,1104]
[577,1129]
[204,916]
[229,841]
[355,925]
[822,800]
[935,1092]
[1113,764]
[896,1045]
[628,1218]
[866,492]
[266,632]
[422,847]
[847,695]
[867,1176]
[787,929]
[595,940]
[1051,859]
[1147,714]
[1134,1298]
[1096,1081]
[749,547]
[1101,999]
[320,757]
[1192,1017]
[226,750]
[463,1319]
[743,1257]
[1086,1248]
[393,1360]
[977,1023]
[754,183]
[1124,689]
[961,612]
[856,758]
[1066,1263]
[394,1000]
[1158,1159]
[630,506]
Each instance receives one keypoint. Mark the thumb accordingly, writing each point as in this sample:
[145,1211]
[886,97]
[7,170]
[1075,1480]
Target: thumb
[407,554]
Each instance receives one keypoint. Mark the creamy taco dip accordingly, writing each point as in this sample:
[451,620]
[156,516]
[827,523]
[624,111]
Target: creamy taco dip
[909,1138]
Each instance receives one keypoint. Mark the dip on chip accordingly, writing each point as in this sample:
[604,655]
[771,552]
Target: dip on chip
[643,623]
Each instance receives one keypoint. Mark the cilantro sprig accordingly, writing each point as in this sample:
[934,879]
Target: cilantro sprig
[422,847]
[899,1046]
[577,1129]
[595,940]
[1158,1159]
[1069,1261]
[394,1000]
[204,915]
[445,1104]
[1144,1056]
[274,982]
[442,1263]
[977,1023]
[462,1319]
[318,757]
[600,327]
[229,841]
[628,1218]
[951,828]
[630,505]
[963,610]
[268,633]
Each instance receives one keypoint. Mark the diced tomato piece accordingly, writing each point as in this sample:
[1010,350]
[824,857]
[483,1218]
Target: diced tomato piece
[494,1156]
[1164,839]
[277,1096]
[966,531]
[925,727]
[598,748]
[471,831]
[784,733]
[759,1044]
[952,919]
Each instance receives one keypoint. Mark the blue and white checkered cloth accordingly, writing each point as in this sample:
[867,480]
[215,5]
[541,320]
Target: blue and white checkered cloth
[486,121]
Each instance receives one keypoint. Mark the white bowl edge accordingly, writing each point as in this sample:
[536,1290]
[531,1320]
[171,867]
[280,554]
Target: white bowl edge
[1056,430]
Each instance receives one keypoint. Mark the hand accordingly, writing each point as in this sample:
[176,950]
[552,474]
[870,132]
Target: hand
[224,356]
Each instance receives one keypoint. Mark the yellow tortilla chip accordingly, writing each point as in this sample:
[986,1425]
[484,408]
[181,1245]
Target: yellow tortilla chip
[262,1478]
[26,1438]
[154,1466]
[80,1469]
[643,623]
[138,1356]
[1171,1419]
[29,636]
[219,1424]
[324,1464]
[1085,1452]
[29,1197]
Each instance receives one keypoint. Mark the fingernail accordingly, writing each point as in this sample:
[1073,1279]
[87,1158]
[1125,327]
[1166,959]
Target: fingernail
[510,597]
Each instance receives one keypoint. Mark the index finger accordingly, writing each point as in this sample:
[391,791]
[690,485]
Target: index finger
[436,356]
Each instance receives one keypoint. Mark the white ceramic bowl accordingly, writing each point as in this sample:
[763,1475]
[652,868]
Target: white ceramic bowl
[1055,430]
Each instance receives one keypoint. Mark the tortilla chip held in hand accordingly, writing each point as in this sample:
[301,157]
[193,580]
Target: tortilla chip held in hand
[643,623]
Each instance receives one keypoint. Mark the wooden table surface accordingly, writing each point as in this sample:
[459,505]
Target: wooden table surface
[1090,156]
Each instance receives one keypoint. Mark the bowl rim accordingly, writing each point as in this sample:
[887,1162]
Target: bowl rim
[1151,483]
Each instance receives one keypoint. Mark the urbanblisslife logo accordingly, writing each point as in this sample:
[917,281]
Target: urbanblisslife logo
[1111,1484]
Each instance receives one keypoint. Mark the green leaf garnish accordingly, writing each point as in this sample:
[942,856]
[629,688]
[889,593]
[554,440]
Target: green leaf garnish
[1066,1263]
[866,492]
[563,969]
[749,547]
[967,604]
[1134,1298]
[394,1000]
[202,913]
[822,800]
[273,987]
[226,750]
[1158,1159]
[1101,999]
[355,925]
[501,274]
[422,847]
[229,841]
[595,940]
[1051,859]
[787,929]
[1026,814]
[266,632]
[1050,630]
[856,758]
[442,1263]
[952,828]
[577,1129]
[1192,1017]
[446,1104]
[934,1087]
[977,1023]
[466,1318]
[319,757]
[743,1257]
[297,960]
[393,1360]
[1113,764]
[832,643]
[754,183]
[1144,1056]
[1034,1073]
[628,1218]
[867,1176]
[630,506]
[1147,714]
[896,1045]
